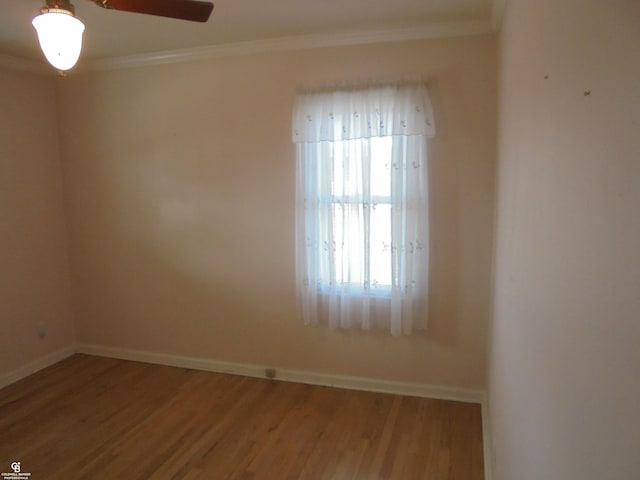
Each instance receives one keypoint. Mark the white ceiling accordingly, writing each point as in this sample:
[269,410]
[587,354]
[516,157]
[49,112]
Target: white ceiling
[112,34]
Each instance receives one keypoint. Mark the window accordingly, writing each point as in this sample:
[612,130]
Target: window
[362,226]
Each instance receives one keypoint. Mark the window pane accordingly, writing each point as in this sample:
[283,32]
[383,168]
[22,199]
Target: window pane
[348,232]
[381,166]
[348,158]
[337,184]
[360,252]
[380,238]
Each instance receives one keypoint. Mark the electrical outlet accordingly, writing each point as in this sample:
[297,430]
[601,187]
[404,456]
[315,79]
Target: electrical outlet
[42,330]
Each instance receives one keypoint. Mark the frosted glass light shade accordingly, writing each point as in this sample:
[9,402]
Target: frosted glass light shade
[60,37]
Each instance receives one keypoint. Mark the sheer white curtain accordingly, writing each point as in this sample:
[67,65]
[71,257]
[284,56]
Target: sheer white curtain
[362,255]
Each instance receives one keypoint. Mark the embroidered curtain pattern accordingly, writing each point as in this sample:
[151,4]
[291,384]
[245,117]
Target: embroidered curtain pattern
[362,253]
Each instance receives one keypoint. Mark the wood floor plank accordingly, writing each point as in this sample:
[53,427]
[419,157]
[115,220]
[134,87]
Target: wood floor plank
[98,418]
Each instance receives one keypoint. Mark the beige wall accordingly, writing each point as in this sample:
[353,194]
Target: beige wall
[34,266]
[565,357]
[181,199]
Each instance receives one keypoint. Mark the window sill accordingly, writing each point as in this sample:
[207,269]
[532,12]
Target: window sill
[357,292]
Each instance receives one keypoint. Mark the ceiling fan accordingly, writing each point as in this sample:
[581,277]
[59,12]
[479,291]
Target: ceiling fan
[60,31]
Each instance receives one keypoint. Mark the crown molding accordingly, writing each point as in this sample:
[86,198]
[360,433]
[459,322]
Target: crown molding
[23,65]
[282,44]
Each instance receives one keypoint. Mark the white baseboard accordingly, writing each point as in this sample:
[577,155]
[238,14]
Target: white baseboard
[312,378]
[487,440]
[251,370]
[36,365]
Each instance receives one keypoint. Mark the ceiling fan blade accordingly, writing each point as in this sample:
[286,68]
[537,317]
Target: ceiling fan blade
[193,10]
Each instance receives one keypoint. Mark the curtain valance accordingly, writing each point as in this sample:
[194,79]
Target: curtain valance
[363,113]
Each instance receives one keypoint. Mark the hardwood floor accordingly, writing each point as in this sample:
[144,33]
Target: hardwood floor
[97,418]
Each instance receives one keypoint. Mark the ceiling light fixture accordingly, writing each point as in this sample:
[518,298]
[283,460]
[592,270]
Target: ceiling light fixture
[59,33]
